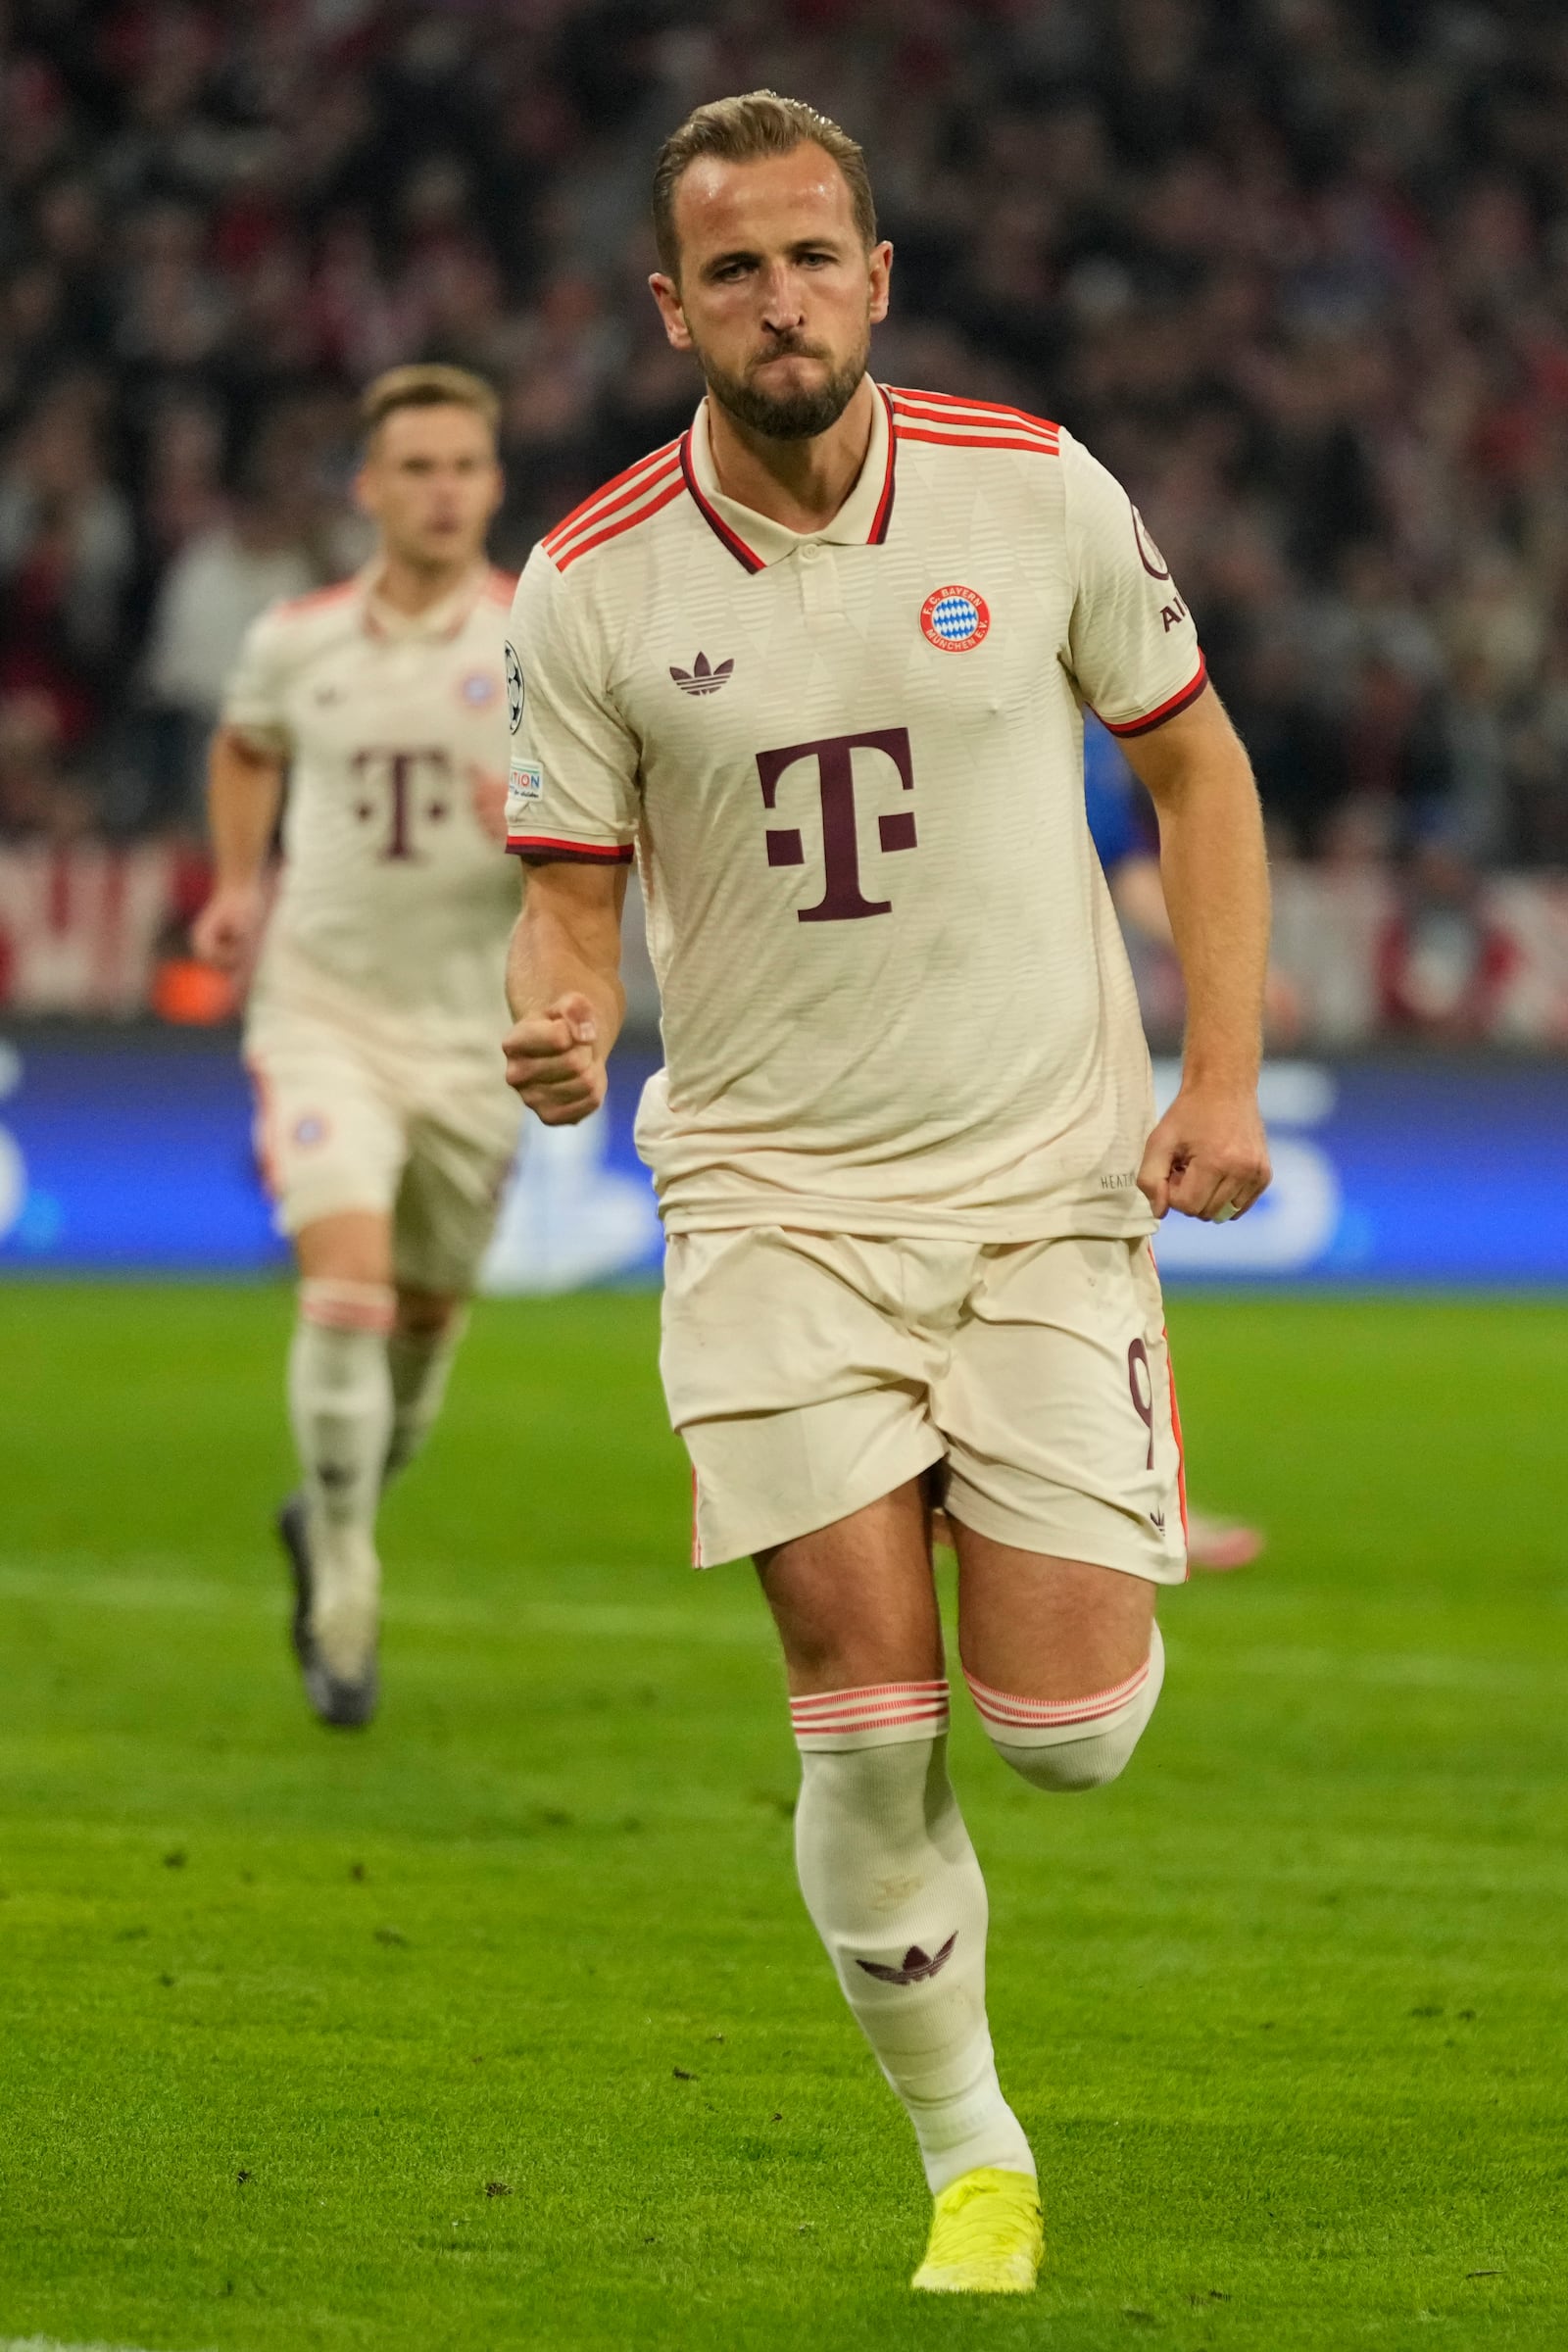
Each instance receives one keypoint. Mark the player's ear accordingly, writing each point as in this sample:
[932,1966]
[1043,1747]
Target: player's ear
[666,292]
[365,497]
[881,272]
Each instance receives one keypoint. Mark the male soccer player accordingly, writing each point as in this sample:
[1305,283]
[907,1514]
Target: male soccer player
[386,1131]
[822,661]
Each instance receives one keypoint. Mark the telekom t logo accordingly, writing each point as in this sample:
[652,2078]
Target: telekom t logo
[399,778]
[843,900]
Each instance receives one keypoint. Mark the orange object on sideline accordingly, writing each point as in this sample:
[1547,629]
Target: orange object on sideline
[194,994]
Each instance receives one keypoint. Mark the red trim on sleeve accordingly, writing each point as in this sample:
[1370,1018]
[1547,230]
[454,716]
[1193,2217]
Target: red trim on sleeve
[544,849]
[1167,710]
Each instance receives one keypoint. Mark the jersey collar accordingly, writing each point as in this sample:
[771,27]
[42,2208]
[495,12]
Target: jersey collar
[755,540]
[437,623]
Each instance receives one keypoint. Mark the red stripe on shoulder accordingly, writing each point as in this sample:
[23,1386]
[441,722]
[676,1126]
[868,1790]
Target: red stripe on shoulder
[581,516]
[666,486]
[950,402]
[561,545]
[1036,447]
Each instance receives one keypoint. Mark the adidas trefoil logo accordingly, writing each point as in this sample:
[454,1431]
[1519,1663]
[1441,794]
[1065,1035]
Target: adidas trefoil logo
[917,1965]
[701,678]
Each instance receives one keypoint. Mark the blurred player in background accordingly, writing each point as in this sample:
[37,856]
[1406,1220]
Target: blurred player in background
[386,1132]
[821,661]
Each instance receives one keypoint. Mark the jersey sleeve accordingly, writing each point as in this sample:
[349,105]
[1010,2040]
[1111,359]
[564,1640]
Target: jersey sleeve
[254,699]
[1133,645]
[571,787]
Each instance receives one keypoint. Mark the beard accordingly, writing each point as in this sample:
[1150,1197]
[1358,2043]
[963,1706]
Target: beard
[789,415]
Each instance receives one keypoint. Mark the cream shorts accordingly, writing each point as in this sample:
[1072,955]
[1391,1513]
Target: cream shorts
[810,1373]
[347,1120]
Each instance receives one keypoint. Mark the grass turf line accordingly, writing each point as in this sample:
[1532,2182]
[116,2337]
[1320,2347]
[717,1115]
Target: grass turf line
[503,2027]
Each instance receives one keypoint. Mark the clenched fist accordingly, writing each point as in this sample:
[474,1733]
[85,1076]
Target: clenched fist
[554,1062]
[1208,1155]
[228,926]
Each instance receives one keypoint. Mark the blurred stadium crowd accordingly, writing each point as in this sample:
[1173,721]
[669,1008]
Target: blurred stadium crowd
[1297,270]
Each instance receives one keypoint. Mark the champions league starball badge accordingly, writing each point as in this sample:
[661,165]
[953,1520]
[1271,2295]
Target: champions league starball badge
[514,688]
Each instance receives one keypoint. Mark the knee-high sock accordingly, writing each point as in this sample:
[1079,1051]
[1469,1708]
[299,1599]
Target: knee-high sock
[340,1404]
[892,1883]
[421,1365]
[1073,1744]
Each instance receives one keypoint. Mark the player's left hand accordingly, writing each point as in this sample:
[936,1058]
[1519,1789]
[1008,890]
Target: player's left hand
[1208,1155]
[487,788]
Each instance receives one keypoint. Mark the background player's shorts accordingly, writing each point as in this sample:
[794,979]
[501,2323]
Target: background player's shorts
[348,1120]
[812,1373]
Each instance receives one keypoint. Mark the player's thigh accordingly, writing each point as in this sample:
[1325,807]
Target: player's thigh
[331,1137]
[1047,1628]
[854,1603]
[450,1195]
[799,1386]
[1058,1410]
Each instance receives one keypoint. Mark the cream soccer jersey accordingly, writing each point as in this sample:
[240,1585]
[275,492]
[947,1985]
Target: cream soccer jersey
[850,764]
[394,901]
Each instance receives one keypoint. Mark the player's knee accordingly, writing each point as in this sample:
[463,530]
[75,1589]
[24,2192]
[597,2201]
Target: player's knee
[425,1314]
[1073,1744]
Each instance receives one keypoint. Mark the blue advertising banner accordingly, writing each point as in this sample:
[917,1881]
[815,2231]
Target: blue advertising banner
[133,1152]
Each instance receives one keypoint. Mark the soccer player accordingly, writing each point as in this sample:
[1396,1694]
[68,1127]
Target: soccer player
[385,1128]
[822,664]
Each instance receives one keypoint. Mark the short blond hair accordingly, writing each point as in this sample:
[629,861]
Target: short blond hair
[428,384]
[741,130]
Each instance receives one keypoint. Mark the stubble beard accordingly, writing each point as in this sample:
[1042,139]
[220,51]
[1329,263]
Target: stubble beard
[791,415]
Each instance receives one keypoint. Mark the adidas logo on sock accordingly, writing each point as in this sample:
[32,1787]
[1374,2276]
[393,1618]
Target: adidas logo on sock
[917,1965]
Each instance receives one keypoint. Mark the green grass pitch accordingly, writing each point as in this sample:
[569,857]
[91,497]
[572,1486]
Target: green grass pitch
[502,2025]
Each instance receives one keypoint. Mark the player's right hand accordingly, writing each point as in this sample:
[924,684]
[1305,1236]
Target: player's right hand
[228,926]
[554,1062]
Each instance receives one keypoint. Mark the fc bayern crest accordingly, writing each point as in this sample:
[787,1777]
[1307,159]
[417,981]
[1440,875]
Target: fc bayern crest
[955,619]
[514,688]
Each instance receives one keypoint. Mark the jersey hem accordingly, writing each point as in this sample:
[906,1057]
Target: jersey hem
[1086,1219]
[1178,702]
[537,849]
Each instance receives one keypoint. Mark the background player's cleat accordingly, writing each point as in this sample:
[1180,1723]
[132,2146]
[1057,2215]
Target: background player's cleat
[985,2236]
[345,1705]
[1222,1542]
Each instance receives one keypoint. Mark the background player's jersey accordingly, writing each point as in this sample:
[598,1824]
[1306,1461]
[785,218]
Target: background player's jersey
[895,995]
[1114,801]
[394,901]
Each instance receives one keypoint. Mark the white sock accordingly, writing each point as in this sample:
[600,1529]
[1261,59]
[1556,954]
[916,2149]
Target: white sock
[340,1404]
[1073,1744]
[892,1883]
[421,1365]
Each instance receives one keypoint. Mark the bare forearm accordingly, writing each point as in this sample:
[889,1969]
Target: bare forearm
[556,953]
[244,792]
[1214,875]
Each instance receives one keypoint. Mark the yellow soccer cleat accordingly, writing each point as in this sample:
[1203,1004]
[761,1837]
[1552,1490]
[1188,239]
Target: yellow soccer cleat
[985,2236]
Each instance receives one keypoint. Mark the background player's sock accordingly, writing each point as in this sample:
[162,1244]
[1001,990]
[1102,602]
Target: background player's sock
[890,1881]
[421,1365]
[1074,1742]
[340,1404]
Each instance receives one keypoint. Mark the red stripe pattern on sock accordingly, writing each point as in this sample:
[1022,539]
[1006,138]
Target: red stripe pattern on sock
[1001,1711]
[348,1306]
[853,1718]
